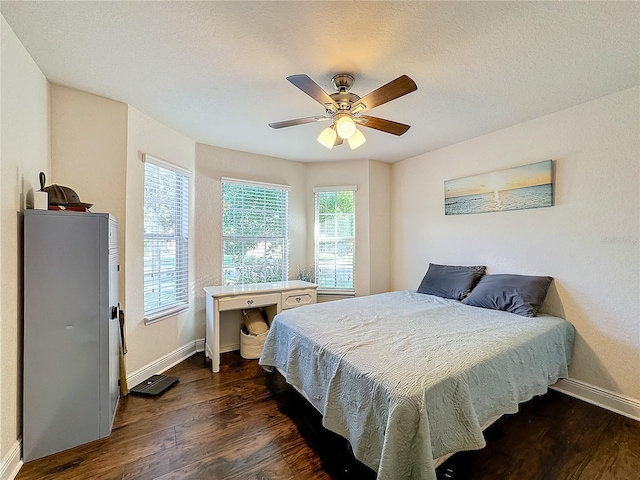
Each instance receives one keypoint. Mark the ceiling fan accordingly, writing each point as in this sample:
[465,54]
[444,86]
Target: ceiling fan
[345,109]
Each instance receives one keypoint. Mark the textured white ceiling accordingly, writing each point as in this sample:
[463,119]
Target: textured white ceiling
[215,71]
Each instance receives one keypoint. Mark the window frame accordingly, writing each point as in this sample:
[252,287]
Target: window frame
[286,241]
[334,290]
[182,239]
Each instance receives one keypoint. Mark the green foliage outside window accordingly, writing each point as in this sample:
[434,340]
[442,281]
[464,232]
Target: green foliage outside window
[254,233]
[335,239]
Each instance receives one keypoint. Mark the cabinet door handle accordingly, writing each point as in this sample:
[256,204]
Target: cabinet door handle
[249,302]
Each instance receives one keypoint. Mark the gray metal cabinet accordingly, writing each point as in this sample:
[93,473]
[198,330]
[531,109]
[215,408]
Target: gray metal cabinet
[71,329]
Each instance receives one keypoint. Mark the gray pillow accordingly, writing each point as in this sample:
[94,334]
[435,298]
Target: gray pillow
[450,281]
[520,294]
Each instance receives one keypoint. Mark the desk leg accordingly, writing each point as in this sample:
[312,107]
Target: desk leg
[212,333]
[215,361]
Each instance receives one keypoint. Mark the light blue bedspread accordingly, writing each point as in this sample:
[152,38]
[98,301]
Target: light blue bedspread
[408,378]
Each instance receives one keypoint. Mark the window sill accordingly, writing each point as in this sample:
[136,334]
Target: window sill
[337,293]
[166,313]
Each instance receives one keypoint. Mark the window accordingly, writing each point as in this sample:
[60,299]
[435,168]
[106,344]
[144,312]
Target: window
[335,219]
[166,239]
[255,232]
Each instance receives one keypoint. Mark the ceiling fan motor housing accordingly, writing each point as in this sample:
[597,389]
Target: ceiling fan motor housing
[342,82]
[344,99]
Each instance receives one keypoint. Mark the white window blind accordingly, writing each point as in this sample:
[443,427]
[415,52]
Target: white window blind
[255,232]
[166,239]
[335,218]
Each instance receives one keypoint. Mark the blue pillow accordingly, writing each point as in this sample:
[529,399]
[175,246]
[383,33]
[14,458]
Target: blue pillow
[520,294]
[450,281]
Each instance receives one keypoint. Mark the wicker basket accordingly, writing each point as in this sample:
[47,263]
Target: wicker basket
[251,345]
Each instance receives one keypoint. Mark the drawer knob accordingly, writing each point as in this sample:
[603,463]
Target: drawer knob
[249,302]
[298,299]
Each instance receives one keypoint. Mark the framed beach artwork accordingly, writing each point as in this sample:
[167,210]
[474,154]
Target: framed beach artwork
[528,186]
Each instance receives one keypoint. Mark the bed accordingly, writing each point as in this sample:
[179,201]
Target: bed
[409,378]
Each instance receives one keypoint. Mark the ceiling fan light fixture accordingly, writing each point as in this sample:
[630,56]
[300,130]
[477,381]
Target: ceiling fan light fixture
[327,137]
[343,109]
[356,140]
[345,126]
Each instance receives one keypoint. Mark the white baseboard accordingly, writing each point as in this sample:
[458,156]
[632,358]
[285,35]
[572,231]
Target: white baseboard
[12,462]
[223,349]
[627,406]
[166,362]
[229,348]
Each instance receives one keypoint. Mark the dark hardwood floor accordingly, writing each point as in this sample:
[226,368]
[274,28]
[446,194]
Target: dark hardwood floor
[246,424]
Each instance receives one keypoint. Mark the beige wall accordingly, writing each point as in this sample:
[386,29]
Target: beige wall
[97,138]
[588,241]
[148,343]
[379,227]
[89,148]
[96,149]
[372,254]
[24,152]
[335,174]
[89,151]
[212,163]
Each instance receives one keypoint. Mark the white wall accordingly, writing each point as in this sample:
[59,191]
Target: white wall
[148,343]
[212,163]
[24,152]
[588,241]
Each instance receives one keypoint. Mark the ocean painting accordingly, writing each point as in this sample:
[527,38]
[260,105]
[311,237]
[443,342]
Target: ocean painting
[528,186]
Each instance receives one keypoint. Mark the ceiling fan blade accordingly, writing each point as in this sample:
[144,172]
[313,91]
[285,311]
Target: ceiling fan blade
[383,125]
[311,88]
[392,90]
[298,121]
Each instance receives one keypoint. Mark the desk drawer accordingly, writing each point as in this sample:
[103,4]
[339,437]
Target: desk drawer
[297,298]
[248,301]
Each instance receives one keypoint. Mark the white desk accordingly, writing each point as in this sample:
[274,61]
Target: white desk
[283,295]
